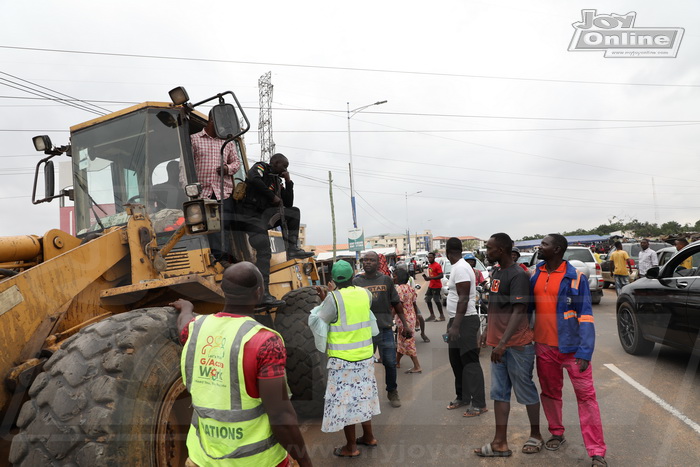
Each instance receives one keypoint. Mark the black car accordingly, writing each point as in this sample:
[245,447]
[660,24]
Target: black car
[662,307]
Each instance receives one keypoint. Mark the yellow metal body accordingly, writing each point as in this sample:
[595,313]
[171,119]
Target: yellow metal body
[64,283]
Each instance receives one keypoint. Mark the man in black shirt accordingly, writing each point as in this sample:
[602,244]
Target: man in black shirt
[384,298]
[265,199]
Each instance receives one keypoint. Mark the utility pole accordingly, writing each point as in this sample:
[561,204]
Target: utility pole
[330,194]
[267,145]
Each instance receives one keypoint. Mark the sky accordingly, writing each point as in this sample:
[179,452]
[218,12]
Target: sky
[491,123]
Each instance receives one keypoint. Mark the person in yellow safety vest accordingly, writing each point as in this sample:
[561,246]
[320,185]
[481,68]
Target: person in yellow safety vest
[343,326]
[234,369]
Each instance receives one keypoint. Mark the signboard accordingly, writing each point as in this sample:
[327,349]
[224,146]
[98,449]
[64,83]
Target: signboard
[356,240]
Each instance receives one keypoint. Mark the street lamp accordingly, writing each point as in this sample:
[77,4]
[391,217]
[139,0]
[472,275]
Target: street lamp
[408,234]
[352,113]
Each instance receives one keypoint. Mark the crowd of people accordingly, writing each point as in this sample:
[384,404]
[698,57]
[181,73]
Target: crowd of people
[543,321]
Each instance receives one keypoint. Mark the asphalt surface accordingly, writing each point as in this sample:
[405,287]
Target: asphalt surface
[639,431]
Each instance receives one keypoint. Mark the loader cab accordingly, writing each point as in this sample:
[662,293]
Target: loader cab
[140,155]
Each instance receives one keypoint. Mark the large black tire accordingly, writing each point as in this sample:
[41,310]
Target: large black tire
[98,401]
[630,333]
[596,297]
[306,366]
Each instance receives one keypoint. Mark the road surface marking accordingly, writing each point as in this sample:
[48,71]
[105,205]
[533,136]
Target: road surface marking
[668,407]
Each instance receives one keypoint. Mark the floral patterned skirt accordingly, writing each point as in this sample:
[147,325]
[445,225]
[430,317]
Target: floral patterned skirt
[351,394]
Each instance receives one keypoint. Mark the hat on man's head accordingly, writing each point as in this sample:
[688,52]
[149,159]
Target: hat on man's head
[342,271]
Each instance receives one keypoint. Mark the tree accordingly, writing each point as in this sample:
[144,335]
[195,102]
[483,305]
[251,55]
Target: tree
[470,245]
[671,227]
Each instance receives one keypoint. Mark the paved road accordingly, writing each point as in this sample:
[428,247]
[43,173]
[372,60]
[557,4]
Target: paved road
[638,430]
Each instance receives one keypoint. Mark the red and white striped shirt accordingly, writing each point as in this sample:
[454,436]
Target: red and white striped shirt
[207,158]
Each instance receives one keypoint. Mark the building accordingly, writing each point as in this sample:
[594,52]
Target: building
[302,235]
[438,243]
[419,241]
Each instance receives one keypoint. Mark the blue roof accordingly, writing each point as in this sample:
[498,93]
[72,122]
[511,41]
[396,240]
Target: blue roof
[571,239]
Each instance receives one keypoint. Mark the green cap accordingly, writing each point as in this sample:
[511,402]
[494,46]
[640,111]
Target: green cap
[342,271]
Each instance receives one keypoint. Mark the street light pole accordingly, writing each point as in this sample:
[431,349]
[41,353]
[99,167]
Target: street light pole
[408,233]
[352,113]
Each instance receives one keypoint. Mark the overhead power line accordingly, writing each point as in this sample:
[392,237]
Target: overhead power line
[38,90]
[339,68]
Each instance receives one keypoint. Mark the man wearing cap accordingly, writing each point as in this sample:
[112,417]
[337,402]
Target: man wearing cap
[384,299]
[343,326]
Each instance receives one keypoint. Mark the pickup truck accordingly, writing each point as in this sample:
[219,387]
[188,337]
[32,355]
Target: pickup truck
[583,260]
[632,250]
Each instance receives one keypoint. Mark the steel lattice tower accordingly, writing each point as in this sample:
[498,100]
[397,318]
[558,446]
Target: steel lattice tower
[267,145]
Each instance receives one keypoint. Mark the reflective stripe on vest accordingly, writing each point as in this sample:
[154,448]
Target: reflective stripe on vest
[219,428]
[348,338]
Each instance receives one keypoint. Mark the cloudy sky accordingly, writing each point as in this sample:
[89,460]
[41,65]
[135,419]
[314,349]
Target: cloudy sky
[489,116]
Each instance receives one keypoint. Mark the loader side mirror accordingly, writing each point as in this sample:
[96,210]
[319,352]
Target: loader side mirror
[49,179]
[226,123]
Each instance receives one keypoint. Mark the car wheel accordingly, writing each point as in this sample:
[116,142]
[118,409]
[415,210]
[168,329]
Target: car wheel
[630,333]
[596,297]
[607,285]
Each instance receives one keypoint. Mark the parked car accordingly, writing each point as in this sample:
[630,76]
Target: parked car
[447,267]
[583,260]
[662,307]
[632,250]
[665,254]
[525,258]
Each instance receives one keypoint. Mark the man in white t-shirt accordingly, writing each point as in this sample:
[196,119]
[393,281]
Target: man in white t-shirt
[462,334]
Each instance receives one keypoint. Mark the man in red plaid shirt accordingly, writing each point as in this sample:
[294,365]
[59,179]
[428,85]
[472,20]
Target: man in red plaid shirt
[206,149]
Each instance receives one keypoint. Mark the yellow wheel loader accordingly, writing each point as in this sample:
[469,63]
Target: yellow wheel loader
[90,348]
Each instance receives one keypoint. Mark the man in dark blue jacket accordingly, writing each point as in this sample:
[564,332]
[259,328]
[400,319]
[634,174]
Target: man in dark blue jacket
[266,201]
[564,339]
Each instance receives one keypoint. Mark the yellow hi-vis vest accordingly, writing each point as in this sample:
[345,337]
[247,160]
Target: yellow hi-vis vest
[228,426]
[350,336]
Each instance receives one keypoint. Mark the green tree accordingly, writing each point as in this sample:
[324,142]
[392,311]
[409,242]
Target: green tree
[470,245]
[671,227]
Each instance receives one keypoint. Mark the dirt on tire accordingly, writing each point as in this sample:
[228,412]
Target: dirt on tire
[306,366]
[98,398]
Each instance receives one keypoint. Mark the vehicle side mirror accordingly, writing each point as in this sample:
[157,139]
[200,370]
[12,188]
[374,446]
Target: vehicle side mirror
[226,123]
[603,257]
[653,272]
[49,179]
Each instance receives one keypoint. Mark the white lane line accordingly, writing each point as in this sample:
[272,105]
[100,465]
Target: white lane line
[668,407]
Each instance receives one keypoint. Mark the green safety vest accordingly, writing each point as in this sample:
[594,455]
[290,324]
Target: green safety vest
[228,426]
[350,336]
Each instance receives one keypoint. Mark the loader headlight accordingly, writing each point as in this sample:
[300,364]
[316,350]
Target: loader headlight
[193,190]
[179,95]
[42,143]
[194,214]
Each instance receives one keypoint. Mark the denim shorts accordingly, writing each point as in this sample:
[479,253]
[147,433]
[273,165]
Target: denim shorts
[515,371]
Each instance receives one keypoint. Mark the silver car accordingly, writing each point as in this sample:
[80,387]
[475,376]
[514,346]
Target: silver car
[583,260]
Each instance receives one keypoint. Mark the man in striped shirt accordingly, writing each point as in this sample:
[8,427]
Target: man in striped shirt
[206,150]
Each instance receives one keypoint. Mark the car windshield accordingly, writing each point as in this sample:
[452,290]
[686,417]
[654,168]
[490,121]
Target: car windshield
[525,258]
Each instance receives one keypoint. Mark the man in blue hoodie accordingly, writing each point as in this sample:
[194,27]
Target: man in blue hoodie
[564,339]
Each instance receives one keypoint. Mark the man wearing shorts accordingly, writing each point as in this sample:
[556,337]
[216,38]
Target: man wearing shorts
[508,332]
[434,287]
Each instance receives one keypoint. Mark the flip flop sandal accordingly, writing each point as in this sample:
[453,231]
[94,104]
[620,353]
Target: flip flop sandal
[597,461]
[455,404]
[361,442]
[412,371]
[534,444]
[339,452]
[430,318]
[440,319]
[425,339]
[473,412]
[487,451]
[554,443]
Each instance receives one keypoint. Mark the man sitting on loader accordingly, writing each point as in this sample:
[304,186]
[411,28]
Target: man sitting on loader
[267,204]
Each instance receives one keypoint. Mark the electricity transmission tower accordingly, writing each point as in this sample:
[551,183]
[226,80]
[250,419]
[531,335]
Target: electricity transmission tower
[267,145]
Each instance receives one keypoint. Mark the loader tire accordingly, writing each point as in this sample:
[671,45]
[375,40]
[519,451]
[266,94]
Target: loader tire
[106,396]
[306,366]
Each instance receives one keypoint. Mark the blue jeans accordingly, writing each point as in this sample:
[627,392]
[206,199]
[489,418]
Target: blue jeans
[387,352]
[515,372]
[620,282]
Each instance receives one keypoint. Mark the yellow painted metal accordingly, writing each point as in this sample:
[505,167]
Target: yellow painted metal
[57,242]
[43,292]
[19,248]
[128,110]
[192,287]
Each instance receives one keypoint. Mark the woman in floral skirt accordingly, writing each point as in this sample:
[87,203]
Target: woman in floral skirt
[406,345]
[343,326]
